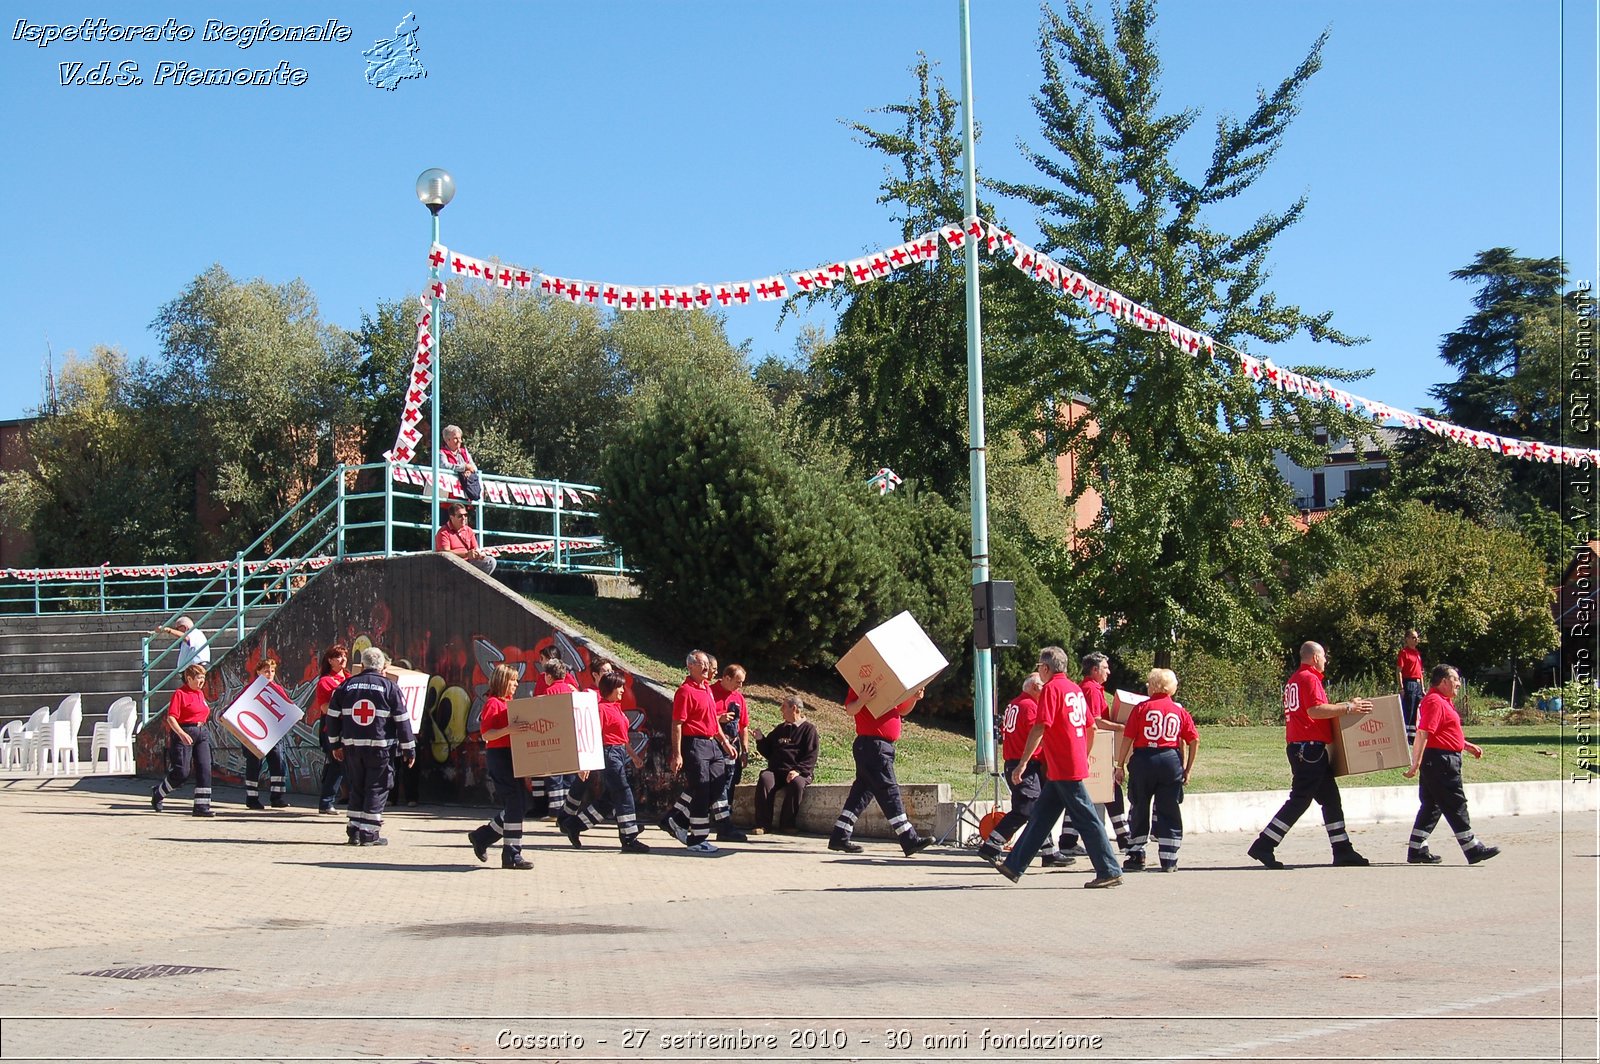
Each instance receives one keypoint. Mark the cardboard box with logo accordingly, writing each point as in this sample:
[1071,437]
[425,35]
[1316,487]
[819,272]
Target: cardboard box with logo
[1122,704]
[890,662]
[565,736]
[1101,782]
[1371,742]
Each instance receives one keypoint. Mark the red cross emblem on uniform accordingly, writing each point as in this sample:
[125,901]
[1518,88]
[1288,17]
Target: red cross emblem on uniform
[363,712]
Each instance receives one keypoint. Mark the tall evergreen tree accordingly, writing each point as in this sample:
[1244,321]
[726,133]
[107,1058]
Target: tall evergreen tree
[1179,448]
[1509,355]
[891,384]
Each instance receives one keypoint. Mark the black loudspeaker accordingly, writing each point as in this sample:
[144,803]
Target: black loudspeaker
[994,614]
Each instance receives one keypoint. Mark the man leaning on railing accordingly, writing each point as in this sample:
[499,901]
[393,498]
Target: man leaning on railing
[194,642]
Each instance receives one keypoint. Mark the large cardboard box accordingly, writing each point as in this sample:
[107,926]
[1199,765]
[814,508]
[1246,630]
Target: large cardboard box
[1373,742]
[414,689]
[1122,704]
[1101,782]
[565,736]
[260,716]
[890,662]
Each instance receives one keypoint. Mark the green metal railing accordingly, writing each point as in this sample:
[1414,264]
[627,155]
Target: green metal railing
[365,511]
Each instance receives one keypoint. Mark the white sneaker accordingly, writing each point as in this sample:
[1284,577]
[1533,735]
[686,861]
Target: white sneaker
[706,848]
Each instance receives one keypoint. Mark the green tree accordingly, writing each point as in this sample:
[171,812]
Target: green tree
[259,392]
[1477,595]
[101,485]
[1179,448]
[889,387]
[736,544]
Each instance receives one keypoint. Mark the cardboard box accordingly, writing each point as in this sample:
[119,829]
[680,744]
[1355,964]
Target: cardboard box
[890,662]
[1122,704]
[1101,782]
[260,716]
[414,689]
[1372,742]
[565,735]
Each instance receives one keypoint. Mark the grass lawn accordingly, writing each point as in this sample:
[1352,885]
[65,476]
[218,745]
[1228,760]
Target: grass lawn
[940,751]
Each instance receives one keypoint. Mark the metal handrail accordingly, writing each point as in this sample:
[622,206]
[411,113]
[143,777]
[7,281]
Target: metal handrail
[507,519]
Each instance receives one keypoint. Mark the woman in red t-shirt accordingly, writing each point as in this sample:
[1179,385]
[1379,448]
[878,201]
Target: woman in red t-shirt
[496,729]
[277,778]
[333,663]
[1437,752]
[1147,753]
[188,742]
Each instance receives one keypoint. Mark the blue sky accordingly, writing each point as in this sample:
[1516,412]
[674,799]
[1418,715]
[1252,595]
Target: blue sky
[683,142]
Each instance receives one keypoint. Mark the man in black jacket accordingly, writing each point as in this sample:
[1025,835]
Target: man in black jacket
[367,717]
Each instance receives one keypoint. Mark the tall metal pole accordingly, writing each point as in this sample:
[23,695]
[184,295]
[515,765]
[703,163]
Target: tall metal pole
[435,331]
[982,684]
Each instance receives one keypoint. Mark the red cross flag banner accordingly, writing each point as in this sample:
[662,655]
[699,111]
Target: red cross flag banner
[991,239]
[260,716]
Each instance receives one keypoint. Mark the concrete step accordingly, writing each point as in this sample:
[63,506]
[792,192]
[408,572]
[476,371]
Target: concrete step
[135,625]
[72,658]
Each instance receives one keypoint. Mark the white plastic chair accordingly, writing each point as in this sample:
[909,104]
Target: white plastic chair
[114,736]
[27,751]
[61,737]
[11,743]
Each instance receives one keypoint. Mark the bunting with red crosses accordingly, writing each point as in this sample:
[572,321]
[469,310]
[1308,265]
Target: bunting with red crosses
[417,385]
[955,237]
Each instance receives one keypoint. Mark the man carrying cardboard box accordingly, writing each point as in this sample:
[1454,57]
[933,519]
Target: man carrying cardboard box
[1309,731]
[873,751]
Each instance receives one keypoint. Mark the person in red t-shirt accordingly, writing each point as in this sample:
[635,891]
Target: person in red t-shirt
[619,753]
[1408,665]
[456,537]
[188,742]
[1016,724]
[548,794]
[1096,670]
[1147,756]
[873,752]
[1308,730]
[733,717]
[496,730]
[277,781]
[1437,752]
[334,660]
[700,750]
[1064,732]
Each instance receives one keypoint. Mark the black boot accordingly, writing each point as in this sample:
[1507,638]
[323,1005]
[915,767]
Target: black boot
[1262,850]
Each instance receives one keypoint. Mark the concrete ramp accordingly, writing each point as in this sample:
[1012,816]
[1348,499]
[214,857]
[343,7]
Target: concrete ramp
[431,612]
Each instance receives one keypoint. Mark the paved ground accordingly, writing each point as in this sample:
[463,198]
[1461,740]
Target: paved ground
[416,952]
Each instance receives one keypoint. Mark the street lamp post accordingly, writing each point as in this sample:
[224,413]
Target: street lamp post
[982,677]
[435,188]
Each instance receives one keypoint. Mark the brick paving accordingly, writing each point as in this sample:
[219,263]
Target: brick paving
[415,951]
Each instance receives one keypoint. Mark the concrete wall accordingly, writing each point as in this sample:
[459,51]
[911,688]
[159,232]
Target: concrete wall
[439,615]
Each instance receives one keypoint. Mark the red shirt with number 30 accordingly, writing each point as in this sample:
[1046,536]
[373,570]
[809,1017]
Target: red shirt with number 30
[1301,694]
[1161,723]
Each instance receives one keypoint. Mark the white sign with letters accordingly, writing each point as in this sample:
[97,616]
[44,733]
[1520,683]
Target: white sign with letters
[261,716]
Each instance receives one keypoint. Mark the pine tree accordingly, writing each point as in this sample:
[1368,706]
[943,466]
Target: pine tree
[1179,447]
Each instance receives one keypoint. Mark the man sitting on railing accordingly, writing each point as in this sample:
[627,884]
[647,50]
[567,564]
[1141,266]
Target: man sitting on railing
[456,537]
